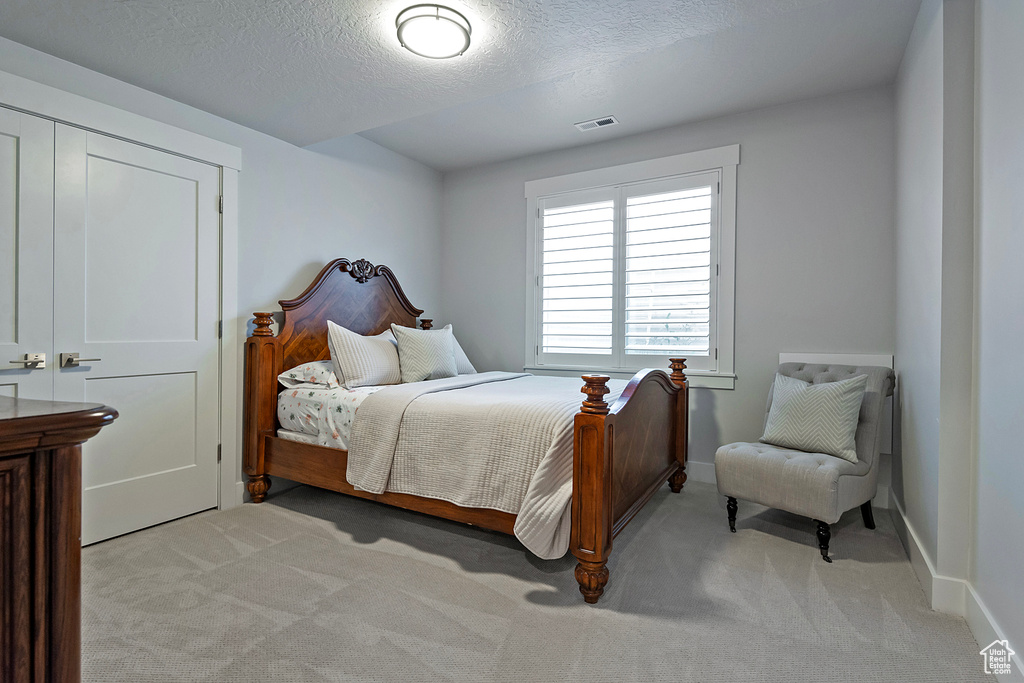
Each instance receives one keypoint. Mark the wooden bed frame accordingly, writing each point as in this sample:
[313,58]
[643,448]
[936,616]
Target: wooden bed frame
[623,452]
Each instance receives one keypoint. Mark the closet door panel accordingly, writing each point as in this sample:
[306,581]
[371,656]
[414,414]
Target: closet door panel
[26,253]
[136,256]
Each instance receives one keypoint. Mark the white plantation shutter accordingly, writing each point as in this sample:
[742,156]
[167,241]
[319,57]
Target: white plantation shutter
[668,276]
[628,275]
[576,282]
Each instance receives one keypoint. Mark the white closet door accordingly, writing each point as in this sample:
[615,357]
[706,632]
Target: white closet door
[26,254]
[136,261]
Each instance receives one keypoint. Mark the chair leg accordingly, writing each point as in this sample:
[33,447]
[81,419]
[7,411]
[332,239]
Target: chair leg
[869,517]
[731,507]
[824,536]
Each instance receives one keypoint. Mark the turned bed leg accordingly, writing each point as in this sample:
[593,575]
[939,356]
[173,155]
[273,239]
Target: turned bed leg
[677,480]
[258,486]
[592,577]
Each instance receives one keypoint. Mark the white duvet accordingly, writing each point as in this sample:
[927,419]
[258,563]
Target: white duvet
[494,440]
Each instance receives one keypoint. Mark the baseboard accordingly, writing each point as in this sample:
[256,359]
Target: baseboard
[945,593]
[700,471]
[919,561]
[240,493]
[986,630]
[951,595]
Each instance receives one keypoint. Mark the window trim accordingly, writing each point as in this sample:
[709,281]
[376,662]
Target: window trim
[724,160]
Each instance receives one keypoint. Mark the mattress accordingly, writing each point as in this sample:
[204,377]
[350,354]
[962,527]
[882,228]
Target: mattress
[297,436]
[325,415]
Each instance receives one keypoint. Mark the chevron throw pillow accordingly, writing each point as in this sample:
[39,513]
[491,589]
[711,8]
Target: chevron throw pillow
[819,418]
[425,354]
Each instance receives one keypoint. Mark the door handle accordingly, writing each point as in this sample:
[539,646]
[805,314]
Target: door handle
[71,360]
[32,361]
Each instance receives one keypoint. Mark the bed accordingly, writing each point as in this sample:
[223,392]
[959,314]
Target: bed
[622,451]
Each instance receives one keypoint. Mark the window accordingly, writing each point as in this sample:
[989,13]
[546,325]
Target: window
[629,273]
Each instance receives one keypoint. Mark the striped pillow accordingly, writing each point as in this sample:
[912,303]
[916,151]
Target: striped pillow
[819,418]
[361,361]
[425,354]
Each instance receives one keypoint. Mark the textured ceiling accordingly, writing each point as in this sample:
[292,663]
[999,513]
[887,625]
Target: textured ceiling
[831,47]
[311,70]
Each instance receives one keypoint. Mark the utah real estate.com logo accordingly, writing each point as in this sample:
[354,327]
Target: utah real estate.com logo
[997,658]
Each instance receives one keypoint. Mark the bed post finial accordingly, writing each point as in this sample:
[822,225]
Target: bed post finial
[678,365]
[263,321]
[426,323]
[595,388]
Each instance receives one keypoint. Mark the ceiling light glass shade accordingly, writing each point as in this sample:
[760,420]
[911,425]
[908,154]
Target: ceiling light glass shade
[433,31]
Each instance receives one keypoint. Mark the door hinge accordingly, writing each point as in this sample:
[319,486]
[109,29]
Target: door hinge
[220,329]
[716,354]
[718,190]
[220,204]
[218,452]
[718,269]
[538,212]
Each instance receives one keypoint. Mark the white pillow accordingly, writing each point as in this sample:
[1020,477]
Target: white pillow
[462,364]
[425,354]
[317,373]
[361,361]
[819,418]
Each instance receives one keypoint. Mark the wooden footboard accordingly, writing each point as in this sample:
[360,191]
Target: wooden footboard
[622,454]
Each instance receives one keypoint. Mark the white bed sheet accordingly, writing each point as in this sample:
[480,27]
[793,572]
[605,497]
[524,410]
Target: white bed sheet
[325,414]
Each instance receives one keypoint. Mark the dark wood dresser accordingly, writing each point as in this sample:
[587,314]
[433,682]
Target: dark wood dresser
[40,536]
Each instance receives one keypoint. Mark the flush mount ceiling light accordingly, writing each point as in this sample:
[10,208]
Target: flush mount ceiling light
[433,31]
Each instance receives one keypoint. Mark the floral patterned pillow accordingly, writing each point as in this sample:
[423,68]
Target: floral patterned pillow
[319,373]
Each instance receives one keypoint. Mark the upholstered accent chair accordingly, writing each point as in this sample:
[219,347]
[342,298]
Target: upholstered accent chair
[814,485]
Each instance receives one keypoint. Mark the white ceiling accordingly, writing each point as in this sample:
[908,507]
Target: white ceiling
[311,70]
[833,47]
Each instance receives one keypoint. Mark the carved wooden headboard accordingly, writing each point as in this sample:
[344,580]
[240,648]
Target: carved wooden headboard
[354,294]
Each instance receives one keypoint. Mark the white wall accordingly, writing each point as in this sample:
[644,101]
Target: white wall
[960,313]
[932,464]
[298,208]
[915,473]
[998,532]
[814,236]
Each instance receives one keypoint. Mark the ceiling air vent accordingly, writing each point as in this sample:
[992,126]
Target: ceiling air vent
[601,122]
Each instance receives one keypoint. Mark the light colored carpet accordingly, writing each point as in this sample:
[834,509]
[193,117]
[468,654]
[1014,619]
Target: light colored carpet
[316,586]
